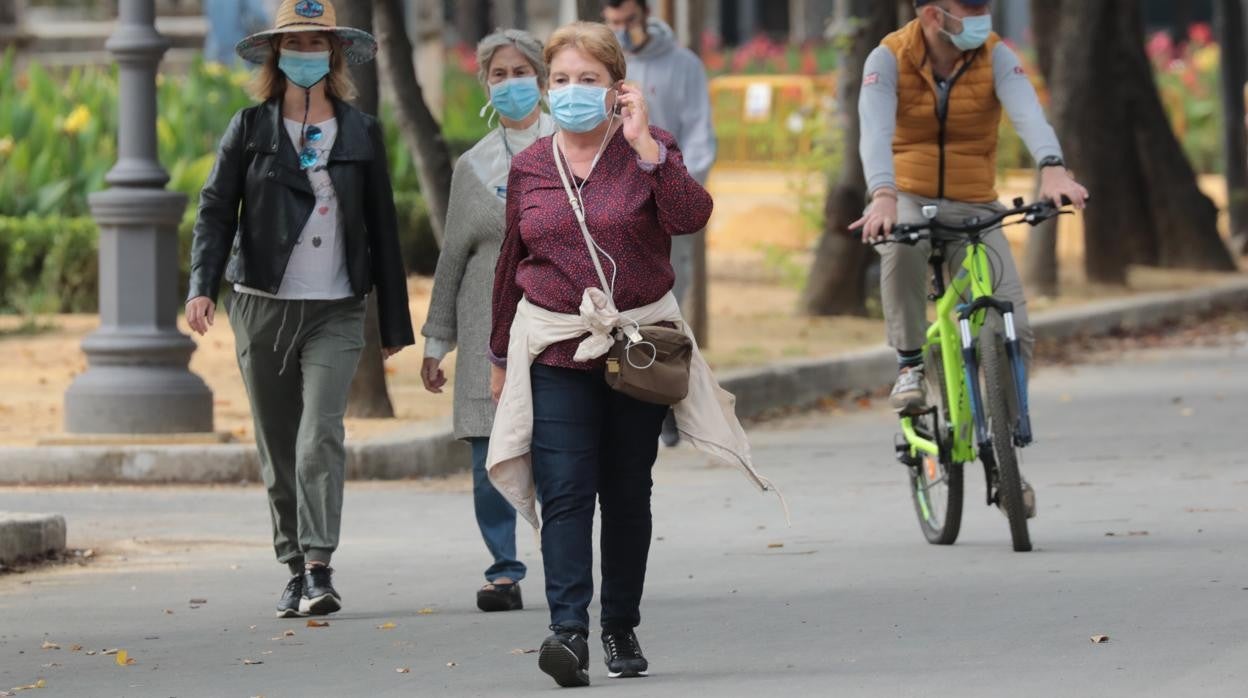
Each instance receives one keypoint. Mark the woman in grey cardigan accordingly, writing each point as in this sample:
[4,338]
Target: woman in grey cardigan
[513,71]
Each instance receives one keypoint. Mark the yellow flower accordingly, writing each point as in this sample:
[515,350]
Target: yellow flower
[240,79]
[1207,58]
[77,120]
[214,69]
[6,145]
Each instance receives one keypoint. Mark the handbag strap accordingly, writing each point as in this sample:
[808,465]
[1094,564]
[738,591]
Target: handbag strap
[578,208]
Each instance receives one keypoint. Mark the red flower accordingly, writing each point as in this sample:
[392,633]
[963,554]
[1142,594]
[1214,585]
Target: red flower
[1160,48]
[1200,33]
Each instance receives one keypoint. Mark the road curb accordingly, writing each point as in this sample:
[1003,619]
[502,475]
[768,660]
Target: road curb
[29,536]
[431,449]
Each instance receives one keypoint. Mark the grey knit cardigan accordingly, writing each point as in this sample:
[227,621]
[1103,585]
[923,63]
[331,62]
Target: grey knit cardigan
[463,286]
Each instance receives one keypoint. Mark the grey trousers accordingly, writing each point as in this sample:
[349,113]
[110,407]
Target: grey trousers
[905,274]
[298,359]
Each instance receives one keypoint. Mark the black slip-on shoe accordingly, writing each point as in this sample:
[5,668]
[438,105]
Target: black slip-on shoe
[565,657]
[500,597]
[624,657]
[288,605]
[319,596]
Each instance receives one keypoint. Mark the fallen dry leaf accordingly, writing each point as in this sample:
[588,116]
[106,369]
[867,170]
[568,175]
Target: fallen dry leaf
[201,602]
[75,648]
[252,627]
[108,652]
[1099,639]
[168,611]
[775,545]
[49,645]
[288,633]
[124,659]
[249,662]
[387,626]
[523,651]
[41,683]
[403,670]
[318,624]
[452,664]
[89,552]
[91,653]
[51,665]
[426,611]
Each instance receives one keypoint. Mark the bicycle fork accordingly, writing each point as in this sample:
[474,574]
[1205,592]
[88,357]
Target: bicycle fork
[1013,351]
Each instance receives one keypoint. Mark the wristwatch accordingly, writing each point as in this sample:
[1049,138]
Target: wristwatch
[1050,161]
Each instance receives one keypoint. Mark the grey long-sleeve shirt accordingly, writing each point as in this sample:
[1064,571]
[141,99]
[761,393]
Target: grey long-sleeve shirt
[877,110]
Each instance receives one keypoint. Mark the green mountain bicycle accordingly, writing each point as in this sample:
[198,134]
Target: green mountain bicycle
[975,365]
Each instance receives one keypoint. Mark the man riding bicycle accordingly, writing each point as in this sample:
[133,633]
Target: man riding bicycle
[932,96]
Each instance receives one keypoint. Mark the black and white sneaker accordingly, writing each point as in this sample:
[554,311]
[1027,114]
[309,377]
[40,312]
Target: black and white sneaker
[624,657]
[565,657]
[319,596]
[288,606]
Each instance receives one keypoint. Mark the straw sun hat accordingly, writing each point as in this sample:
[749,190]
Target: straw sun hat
[309,15]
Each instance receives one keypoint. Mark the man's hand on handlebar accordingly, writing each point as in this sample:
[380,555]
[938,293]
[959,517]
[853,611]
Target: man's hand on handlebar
[878,220]
[1058,186]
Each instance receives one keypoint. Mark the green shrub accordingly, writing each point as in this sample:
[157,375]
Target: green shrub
[48,265]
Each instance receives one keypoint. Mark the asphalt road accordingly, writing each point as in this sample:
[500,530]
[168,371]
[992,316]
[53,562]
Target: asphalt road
[849,601]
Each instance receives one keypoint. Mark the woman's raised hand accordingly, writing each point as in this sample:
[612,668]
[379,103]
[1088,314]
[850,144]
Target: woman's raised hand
[635,115]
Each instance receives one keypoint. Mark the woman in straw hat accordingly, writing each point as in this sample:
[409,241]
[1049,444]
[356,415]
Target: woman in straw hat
[299,205]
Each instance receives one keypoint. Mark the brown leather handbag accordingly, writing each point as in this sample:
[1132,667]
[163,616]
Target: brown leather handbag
[647,362]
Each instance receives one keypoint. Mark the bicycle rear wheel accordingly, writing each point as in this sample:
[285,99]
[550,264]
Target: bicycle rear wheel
[1000,411]
[936,483]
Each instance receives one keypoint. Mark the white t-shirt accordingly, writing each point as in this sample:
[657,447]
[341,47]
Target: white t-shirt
[317,269]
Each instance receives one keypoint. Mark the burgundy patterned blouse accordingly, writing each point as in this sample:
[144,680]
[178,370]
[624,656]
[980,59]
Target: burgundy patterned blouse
[632,210]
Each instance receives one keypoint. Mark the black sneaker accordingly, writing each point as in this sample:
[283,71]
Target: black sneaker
[288,606]
[624,657]
[319,597]
[565,657]
[500,597]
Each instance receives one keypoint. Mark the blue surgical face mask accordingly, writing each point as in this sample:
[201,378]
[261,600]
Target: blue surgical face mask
[515,98]
[975,31]
[578,108]
[302,68]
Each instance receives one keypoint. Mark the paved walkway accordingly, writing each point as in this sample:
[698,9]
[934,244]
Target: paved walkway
[854,603]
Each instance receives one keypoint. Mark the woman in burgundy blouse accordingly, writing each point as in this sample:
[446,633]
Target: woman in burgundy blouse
[589,441]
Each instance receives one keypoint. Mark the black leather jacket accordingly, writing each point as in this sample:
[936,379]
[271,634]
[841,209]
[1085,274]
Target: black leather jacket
[256,201]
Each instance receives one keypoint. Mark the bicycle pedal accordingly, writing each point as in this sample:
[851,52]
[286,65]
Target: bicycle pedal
[904,456]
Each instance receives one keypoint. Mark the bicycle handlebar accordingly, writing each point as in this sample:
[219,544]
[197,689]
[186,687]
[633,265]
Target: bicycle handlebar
[1033,214]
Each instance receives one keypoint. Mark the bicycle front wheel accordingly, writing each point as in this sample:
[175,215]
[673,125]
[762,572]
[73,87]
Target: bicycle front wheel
[999,411]
[936,483]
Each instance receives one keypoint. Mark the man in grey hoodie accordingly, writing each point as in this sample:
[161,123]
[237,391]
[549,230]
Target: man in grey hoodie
[674,81]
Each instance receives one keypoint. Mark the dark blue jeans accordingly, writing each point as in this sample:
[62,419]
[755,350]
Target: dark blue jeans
[495,517]
[592,442]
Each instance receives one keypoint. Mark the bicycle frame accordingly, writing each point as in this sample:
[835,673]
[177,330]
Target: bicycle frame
[958,325]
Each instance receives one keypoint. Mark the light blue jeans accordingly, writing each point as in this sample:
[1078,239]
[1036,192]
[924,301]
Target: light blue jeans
[495,517]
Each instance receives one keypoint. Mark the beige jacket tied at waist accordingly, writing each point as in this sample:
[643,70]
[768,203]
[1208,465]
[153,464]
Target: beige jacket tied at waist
[706,417]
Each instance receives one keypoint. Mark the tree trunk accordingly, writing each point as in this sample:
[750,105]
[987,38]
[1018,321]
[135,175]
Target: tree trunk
[1234,72]
[589,10]
[369,398]
[420,130]
[1040,263]
[472,20]
[1147,207]
[838,275]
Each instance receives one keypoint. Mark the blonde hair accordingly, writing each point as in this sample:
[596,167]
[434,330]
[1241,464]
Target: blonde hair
[595,40]
[270,83]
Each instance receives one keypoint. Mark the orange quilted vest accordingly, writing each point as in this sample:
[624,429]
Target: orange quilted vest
[951,155]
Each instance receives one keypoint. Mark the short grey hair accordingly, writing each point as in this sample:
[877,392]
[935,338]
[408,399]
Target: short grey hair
[528,45]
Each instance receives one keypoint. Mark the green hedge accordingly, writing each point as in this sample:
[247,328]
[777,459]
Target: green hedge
[50,264]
